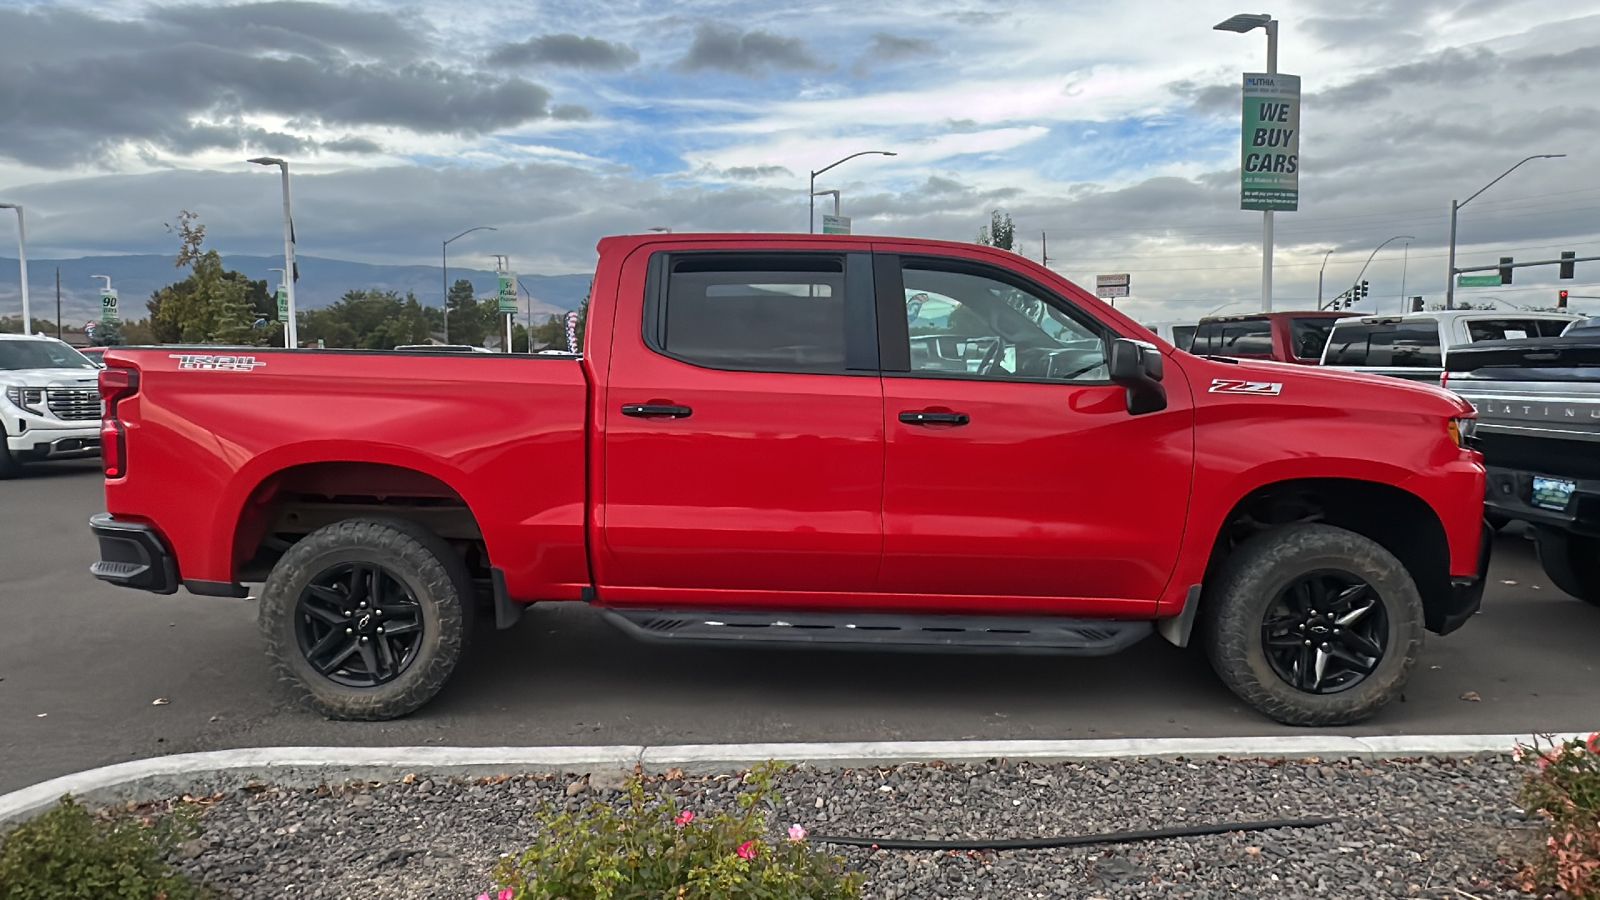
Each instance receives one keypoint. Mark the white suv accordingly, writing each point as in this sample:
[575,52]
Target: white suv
[49,402]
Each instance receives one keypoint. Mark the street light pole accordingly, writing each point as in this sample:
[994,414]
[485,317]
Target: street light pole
[1450,274]
[22,263]
[293,339]
[1319,277]
[1398,237]
[811,220]
[1243,24]
[444,273]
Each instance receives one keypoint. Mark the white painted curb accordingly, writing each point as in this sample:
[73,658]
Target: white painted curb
[167,776]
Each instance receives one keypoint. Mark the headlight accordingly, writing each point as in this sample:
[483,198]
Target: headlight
[1464,431]
[28,398]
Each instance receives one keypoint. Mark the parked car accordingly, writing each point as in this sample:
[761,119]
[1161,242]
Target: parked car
[828,440]
[1417,346]
[1292,337]
[1178,334]
[52,405]
[1538,403]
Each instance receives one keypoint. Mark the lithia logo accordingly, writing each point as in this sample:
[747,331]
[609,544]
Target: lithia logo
[212,363]
[1535,410]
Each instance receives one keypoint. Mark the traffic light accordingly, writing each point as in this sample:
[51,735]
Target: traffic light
[1364,290]
[1566,267]
[1561,300]
[1505,270]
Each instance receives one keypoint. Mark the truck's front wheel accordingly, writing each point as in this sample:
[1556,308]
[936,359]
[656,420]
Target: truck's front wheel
[367,617]
[1572,562]
[1313,625]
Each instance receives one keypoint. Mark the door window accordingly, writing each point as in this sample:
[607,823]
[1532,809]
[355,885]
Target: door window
[1385,344]
[769,314]
[965,323]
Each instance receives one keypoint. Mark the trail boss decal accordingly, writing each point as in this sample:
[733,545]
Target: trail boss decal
[1235,386]
[212,363]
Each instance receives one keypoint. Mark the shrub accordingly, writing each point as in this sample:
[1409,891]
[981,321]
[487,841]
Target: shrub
[658,850]
[69,854]
[1563,788]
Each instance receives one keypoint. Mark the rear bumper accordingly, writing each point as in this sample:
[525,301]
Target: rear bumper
[133,555]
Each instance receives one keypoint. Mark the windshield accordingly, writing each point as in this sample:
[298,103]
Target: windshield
[41,355]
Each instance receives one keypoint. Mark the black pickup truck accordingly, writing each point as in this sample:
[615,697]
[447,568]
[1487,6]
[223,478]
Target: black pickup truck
[1538,427]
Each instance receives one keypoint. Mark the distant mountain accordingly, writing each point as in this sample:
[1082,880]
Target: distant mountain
[322,281]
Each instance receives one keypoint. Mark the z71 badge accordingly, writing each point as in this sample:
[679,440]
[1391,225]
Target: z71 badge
[212,363]
[1235,386]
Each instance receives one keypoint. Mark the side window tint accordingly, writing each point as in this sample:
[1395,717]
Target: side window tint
[966,324]
[762,314]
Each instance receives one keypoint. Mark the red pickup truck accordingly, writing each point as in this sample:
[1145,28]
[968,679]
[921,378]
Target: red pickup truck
[832,440]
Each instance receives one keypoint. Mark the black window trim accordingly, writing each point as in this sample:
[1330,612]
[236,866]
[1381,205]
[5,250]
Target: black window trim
[860,338]
[894,332]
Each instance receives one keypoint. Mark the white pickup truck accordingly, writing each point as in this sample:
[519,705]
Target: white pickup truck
[49,402]
[1417,346]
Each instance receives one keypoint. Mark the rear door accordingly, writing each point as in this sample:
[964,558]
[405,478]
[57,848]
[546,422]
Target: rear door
[743,429]
[1015,476]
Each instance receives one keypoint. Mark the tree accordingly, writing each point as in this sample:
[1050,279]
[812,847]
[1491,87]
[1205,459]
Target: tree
[214,304]
[470,320]
[367,320]
[999,232]
[108,334]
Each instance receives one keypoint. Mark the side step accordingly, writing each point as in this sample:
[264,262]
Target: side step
[948,634]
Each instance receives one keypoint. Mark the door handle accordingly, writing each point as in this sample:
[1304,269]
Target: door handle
[934,418]
[656,411]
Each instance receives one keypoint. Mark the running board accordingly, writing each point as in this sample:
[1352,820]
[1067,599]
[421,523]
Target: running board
[948,634]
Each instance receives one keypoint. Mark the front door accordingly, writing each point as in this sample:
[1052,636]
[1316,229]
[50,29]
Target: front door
[1013,468]
[743,431]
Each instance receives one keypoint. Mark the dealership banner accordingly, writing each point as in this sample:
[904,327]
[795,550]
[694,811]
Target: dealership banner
[1270,134]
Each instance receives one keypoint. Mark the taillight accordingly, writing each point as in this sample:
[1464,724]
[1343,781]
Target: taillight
[115,386]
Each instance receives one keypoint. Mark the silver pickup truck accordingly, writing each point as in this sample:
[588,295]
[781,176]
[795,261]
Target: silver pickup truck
[1538,403]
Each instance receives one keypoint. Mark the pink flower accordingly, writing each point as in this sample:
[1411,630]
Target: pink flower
[797,832]
[1593,743]
[508,894]
[483,897]
[1517,753]
[747,850]
[684,817]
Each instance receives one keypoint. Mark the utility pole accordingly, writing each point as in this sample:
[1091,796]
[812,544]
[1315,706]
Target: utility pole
[1044,250]
[58,303]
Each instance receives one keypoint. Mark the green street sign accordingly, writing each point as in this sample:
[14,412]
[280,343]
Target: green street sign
[1478,280]
[1270,139]
[108,306]
[508,293]
[283,304]
[835,224]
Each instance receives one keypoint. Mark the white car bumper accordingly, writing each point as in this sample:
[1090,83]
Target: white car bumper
[38,437]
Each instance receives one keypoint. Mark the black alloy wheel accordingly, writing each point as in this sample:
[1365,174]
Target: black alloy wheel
[358,625]
[1326,632]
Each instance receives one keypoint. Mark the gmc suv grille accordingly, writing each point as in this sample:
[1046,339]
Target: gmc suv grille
[72,404]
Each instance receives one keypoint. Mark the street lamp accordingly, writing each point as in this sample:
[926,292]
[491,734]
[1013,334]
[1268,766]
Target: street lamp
[834,194]
[1242,24]
[1450,279]
[1319,276]
[444,273]
[22,262]
[811,221]
[293,338]
[1398,237]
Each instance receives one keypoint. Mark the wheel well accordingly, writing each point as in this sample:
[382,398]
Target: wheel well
[1398,520]
[296,501]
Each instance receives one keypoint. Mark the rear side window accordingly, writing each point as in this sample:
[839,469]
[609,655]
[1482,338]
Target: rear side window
[1250,337]
[1512,329]
[1385,344]
[768,314]
[1183,336]
[1309,336]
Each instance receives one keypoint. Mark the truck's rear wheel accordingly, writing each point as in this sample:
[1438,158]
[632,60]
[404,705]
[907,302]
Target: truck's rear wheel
[1572,562]
[1313,625]
[367,617]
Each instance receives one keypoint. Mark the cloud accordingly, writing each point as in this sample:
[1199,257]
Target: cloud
[313,29]
[353,145]
[754,173]
[890,48]
[565,50]
[745,53]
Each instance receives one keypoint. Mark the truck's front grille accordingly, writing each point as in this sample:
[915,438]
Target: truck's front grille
[72,404]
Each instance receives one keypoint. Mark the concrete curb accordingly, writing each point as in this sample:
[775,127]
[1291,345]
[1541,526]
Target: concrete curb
[219,770]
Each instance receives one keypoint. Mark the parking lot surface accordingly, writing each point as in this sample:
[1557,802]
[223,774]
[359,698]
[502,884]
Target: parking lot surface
[83,666]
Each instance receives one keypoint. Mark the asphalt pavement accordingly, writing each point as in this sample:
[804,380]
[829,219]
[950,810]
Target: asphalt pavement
[83,666]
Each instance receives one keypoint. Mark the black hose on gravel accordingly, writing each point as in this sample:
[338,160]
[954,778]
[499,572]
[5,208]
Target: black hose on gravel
[1072,840]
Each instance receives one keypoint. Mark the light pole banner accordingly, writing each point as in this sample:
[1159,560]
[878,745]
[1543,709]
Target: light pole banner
[1271,139]
[283,304]
[508,293]
[108,306]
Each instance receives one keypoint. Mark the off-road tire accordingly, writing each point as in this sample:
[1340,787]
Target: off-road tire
[10,466]
[428,567]
[1236,601]
[1571,562]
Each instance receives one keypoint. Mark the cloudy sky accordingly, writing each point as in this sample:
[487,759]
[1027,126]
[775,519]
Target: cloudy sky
[1113,128]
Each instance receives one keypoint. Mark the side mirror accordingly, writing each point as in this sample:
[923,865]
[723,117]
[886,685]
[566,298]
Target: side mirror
[1139,368]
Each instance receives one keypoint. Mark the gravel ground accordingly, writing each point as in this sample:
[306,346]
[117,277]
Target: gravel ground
[1434,828]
